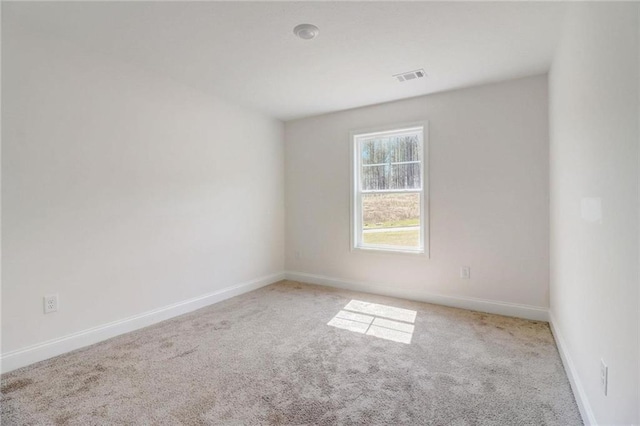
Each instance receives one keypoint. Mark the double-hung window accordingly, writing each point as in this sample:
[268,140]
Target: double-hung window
[388,189]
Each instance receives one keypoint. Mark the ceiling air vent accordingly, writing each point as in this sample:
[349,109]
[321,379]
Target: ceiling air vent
[411,75]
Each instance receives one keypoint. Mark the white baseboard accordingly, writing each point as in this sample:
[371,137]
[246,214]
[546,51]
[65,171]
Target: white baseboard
[45,350]
[490,306]
[576,385]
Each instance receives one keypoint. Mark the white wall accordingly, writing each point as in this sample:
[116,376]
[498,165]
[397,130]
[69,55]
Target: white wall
[488,195]
[594,153]
[123,192]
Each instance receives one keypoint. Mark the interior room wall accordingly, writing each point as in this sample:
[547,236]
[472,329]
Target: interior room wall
[124,192]
[488,184]
[594,205]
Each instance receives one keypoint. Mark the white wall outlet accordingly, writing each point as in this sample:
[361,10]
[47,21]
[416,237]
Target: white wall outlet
[50,303]
[604,377]
[465,272]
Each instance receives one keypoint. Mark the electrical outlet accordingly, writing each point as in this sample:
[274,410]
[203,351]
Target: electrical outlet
[298,255]
[465,272]
[50,303]
[604,377]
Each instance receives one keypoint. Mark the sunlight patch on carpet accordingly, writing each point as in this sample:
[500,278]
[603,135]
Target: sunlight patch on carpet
[372,319]
[384,311]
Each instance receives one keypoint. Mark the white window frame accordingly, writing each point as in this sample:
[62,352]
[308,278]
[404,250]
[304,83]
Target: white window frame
[355,138]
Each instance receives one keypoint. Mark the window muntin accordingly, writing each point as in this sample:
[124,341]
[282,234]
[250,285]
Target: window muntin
[388,197]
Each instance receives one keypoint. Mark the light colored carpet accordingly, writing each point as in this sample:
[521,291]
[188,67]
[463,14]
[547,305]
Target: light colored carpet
[269,357]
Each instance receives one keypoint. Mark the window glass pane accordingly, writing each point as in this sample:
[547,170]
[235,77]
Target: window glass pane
[404,148]
[404,176]
[375,177]
[391,163]
[391,220]
[393,176]
[394,149]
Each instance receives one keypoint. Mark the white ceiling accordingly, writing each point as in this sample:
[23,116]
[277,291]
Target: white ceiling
[246,52]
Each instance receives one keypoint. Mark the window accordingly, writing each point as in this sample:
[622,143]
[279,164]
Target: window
[388,197]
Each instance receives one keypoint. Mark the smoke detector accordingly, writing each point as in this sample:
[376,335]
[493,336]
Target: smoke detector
[411,75]
[306,31]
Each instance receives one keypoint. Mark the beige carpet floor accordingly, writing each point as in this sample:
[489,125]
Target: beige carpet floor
[293,353]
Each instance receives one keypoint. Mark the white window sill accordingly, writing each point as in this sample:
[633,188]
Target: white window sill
[394,251]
